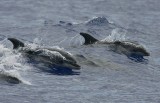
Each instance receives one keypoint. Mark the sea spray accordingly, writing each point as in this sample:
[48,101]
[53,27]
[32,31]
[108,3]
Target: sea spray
[116,34]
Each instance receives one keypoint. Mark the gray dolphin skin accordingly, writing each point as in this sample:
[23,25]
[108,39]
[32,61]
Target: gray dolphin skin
[10,78]
[125,47]
[51,56]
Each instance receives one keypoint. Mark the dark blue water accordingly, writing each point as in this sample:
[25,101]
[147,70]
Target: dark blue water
[105,76]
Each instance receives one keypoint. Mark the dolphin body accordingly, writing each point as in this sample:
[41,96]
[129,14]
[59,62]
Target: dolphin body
[130,49]
[51,56]
[9,78]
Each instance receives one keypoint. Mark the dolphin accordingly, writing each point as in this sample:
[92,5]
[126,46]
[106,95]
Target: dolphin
[128,48]
[51,56]
[9,78]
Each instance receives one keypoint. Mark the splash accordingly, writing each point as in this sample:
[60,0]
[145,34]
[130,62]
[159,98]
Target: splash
[76,41]
[117,34]
[37,41]
[11,65]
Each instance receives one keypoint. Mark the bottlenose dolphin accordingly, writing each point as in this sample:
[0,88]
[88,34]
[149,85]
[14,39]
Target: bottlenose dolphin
[53,56]
[128,48]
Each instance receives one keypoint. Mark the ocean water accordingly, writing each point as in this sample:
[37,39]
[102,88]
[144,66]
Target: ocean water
[105,76]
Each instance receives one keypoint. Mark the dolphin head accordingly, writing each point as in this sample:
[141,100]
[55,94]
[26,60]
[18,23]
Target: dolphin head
[70,64]
[9,78]
[141,51]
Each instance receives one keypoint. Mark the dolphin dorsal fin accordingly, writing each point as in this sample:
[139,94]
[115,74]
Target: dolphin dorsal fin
[88,38]
[16,43]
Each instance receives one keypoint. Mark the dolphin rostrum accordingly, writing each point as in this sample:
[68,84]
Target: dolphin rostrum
[53,56]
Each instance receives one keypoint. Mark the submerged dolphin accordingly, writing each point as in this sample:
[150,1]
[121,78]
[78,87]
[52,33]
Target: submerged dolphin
[130,49]
[51,56]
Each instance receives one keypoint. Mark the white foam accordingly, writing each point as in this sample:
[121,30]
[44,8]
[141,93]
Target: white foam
[11,64]
[117,34]
[76,41]
[37,41]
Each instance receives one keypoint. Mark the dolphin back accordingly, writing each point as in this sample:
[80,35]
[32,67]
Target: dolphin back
[16,43]
[88,38]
